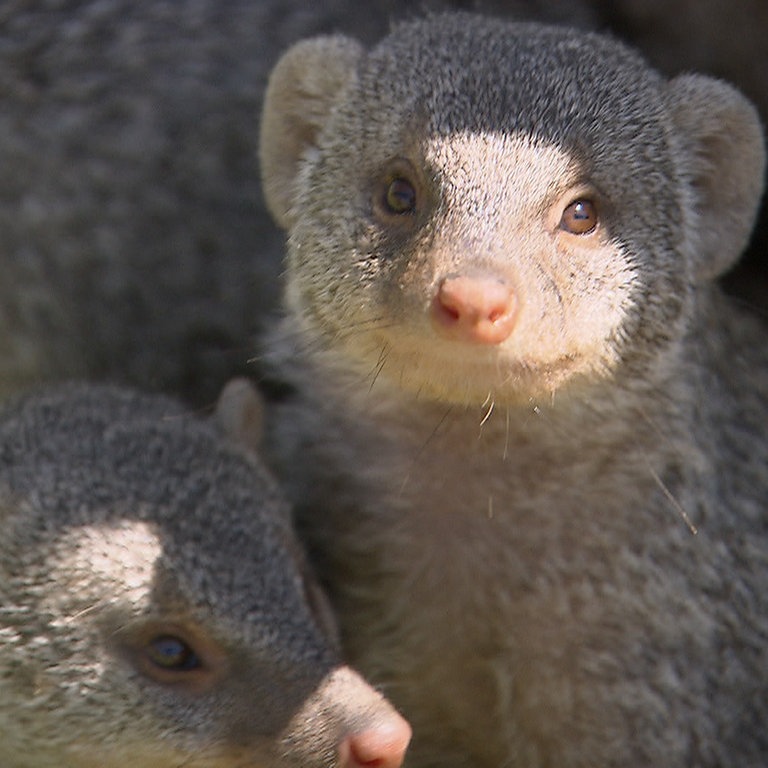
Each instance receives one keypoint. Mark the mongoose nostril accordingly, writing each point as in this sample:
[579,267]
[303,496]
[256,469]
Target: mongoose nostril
[479,310]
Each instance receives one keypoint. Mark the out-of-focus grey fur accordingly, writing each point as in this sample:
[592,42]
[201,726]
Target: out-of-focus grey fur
[124,524]
[551,550]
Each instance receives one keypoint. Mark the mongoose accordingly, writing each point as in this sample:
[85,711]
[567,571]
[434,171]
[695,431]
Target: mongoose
[130,207]
[130,201]
[155,608]
[525,430]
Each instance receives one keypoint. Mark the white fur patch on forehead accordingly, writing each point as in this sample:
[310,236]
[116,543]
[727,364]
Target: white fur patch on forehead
[485,168]
[103,564]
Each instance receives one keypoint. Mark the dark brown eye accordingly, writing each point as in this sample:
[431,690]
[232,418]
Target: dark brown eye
[400,197]
[579,218]
[170,653]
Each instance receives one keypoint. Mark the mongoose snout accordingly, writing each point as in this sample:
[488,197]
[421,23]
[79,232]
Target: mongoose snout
[479,310]
[376,735]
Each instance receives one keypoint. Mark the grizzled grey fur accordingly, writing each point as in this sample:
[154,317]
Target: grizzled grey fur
[134,241]
[544,531]
[155,609]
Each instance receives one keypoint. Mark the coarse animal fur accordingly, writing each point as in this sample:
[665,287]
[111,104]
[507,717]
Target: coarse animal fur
[134,241]
[135,245]
[547,541]
[155,609]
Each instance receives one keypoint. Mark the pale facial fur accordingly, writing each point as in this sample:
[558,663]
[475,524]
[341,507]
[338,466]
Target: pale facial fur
[572,292]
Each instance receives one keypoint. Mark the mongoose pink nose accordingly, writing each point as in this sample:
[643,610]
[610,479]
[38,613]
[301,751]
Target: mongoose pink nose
[380,746]
[480,310]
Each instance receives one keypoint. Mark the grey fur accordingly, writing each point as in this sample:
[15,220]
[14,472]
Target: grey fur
[508,531]
[134,242]
[123,519]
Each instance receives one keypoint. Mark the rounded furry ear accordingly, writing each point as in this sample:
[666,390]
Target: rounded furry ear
[302,90]
[723,159]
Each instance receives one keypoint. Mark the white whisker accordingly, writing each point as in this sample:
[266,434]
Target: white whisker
[673,501]
[488,412]
[86,611]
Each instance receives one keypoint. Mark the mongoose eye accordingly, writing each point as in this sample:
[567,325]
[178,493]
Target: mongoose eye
[171,653]
[400,197]
[579,218]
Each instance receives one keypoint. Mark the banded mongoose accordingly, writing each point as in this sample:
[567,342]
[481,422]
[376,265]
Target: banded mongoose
[155,609]
[525,430]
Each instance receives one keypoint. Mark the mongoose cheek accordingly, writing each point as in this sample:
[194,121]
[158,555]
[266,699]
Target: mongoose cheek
[474,309]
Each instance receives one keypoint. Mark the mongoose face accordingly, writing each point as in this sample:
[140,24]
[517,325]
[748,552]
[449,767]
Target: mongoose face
[480,210]
[154,606]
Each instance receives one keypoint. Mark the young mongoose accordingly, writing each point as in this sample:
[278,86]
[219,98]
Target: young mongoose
[527,433]
[155,610]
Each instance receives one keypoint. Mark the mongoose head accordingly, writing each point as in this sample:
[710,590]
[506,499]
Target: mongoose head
[155,609]
[479,208]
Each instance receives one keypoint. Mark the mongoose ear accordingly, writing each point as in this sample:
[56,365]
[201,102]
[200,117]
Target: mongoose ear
[240,413]
[301,92]
[724,160]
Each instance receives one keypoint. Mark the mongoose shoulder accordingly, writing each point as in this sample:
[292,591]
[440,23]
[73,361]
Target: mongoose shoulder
[526,435]
[155,608]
